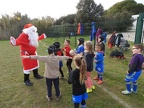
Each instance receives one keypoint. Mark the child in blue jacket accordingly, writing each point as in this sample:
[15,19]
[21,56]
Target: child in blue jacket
[99,63]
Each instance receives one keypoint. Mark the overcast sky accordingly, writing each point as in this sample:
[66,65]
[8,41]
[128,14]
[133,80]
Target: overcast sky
[52,8]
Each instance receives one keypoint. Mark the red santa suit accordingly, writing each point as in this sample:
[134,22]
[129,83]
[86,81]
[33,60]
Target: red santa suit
[28,42]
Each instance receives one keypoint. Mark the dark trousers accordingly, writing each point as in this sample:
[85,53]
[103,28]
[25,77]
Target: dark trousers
[68,63]
[49,82]
[60,70]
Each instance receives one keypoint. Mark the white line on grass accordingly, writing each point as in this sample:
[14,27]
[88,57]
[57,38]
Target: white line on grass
[113,96]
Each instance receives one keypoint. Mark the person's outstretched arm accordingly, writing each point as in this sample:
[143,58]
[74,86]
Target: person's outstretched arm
[36,57]
[30,57]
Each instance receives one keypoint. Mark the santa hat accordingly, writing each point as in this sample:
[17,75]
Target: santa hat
[28,28]
[28,25]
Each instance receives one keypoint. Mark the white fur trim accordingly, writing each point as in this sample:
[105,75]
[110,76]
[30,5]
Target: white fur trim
[28,71]
[30,29]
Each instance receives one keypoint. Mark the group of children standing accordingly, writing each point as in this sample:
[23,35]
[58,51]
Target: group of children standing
[83,58]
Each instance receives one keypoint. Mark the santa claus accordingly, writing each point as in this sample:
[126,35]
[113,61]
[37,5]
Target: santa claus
[28,42]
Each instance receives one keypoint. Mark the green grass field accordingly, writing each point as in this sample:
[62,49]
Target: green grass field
[14,94]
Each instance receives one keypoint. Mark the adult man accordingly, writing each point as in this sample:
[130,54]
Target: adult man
[28,42]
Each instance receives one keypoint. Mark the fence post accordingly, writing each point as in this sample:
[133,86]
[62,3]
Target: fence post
[139,27]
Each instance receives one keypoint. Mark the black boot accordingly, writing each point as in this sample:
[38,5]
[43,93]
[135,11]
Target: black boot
[26,80]
[36,75]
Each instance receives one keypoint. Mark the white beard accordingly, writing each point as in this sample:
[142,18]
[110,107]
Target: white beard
[33,35]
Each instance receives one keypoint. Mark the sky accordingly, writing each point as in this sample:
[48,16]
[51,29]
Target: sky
[52,8]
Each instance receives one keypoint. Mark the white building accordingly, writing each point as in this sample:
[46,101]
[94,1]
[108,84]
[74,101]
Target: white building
[133,28]
[135,22]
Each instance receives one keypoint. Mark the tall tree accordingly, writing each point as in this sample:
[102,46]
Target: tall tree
[43,24]
[121,14]
[127,5]
[12,26]
[88,11]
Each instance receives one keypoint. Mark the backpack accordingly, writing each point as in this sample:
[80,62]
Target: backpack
[117,54]
[127,44]
[118,39]
[112,39]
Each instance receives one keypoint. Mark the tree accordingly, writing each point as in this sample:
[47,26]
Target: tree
[69,19]
[88,11]
[43,24]
[12,26]
[121,14]
[126,5]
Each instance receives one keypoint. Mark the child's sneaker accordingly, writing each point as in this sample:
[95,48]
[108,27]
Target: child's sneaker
[96,78]
[83,106]
[58,97]
[49,98]
[135,92]
[89,90]
[126,92]
[93,87]
[99,82]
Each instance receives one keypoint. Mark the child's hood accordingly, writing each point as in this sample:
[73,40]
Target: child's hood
[91,55]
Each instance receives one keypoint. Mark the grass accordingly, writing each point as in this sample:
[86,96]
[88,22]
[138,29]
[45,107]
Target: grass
[14,94]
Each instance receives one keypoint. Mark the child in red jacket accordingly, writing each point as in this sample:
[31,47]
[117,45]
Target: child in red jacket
[67,49]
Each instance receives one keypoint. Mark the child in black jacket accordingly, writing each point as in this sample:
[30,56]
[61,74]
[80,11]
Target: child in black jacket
[77,78]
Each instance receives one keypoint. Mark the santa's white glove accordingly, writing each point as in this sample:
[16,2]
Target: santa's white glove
[45,36]
[12,40]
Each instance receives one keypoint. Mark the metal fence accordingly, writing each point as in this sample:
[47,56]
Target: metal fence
[67,30]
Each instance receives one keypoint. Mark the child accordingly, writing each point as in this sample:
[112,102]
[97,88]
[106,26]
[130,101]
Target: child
[67,49]
[100,41]
[59,53]
[99,63]
[80,48]
[77,78]
[51,70]
[89,57]
[135,69]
